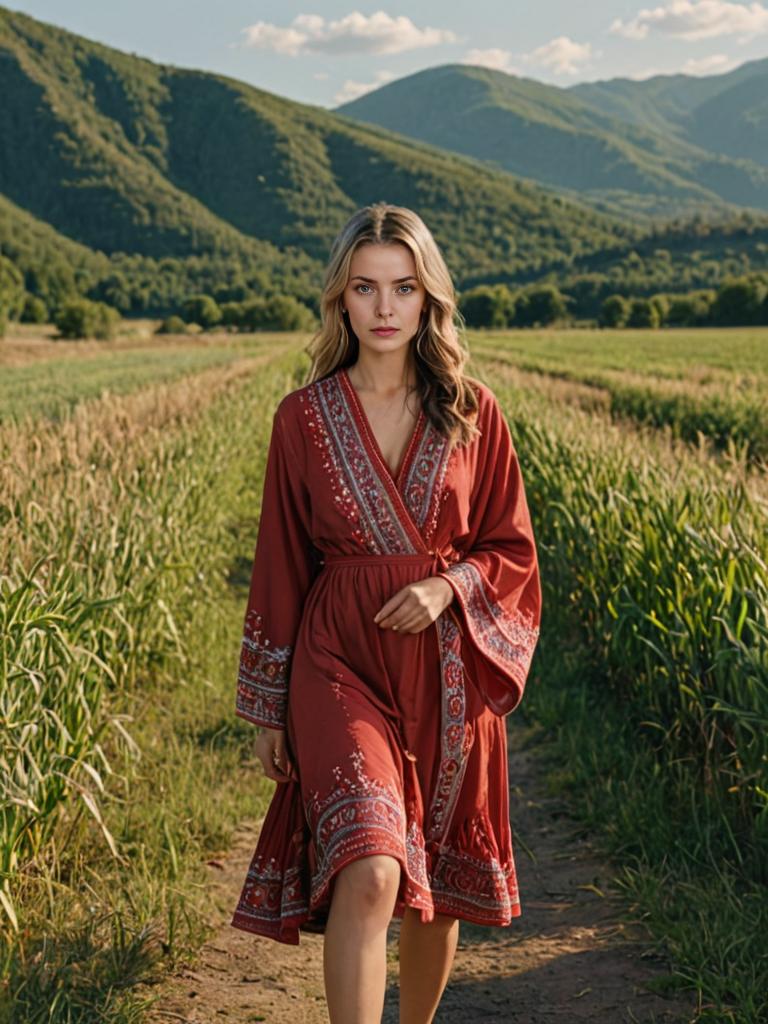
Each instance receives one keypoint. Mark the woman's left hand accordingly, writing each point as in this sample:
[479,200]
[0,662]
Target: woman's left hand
[416,606]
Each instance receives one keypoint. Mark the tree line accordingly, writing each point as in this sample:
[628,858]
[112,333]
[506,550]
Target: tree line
[738,300]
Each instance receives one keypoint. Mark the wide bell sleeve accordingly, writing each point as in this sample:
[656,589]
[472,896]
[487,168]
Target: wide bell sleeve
[496,580]
[283,568]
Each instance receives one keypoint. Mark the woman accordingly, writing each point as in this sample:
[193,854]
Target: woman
[392,617]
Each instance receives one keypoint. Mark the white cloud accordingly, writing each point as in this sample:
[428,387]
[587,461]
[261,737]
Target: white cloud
[643,73]
[499,60]
[696,19]
[321,75]
[352,90]
[562,55]
[354,34]
[716,62]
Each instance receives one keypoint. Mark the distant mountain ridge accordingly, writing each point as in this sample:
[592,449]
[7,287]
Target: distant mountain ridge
[726,113]
[665,147]
[139,183]
[125,155]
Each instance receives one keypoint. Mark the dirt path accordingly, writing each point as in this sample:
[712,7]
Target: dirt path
[567,958]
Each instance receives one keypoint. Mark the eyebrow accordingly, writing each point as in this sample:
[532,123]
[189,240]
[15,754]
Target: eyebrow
[371,280]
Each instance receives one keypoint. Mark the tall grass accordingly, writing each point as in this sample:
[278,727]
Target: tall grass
[35,387]
[723,407]
[123,530]
[117,541]
[656,589]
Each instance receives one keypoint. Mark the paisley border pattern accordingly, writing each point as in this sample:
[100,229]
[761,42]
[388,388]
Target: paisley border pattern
[362,815]
[424,485]
[270,898]
[262,677]
[484,890]
[357,488]
[507,639]
[456,732]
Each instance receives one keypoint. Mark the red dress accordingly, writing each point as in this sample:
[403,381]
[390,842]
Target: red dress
[398,739]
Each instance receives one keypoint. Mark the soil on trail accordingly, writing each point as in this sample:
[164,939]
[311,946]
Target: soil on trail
[569,957]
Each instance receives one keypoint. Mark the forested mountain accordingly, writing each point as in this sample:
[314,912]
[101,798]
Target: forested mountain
[665,147]
[138,183]
[123,154]
[725,113]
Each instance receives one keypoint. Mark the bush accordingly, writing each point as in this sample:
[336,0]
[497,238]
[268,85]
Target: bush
[11,292]
[691,309]
[202,309]
[277,313]
[83,318]
[172,325]
[643,313]
[232,314]
[739,301]
[34,310]
[614,311]
[540,305]
[487,306]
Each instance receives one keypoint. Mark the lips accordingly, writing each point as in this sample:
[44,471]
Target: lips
[385,330]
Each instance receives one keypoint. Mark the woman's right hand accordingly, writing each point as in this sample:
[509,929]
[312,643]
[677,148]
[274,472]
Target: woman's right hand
[272,751]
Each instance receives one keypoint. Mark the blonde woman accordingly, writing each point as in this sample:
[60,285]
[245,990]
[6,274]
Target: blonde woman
[392,617]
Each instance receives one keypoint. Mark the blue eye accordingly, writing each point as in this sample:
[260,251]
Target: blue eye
[358,287]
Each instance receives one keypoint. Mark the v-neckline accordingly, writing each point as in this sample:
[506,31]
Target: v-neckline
[362,416]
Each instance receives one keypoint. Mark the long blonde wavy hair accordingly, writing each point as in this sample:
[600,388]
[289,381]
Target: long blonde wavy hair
[439,351]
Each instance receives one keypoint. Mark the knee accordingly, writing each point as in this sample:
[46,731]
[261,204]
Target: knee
[371,880]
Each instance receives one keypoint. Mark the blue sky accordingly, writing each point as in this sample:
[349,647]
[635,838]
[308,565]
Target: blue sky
[329,53]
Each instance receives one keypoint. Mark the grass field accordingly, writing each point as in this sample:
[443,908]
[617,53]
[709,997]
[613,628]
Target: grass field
[129,488]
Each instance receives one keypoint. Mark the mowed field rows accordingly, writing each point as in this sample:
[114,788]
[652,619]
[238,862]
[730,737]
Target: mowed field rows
[127,523]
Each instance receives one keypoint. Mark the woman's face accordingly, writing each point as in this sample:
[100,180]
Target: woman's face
[383,291]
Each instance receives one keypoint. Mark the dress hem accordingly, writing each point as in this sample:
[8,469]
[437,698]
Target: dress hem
[288,930]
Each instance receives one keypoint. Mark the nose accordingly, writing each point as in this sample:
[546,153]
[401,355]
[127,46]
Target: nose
[383,306]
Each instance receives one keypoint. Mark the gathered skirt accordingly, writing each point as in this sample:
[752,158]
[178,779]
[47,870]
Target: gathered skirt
[395,752]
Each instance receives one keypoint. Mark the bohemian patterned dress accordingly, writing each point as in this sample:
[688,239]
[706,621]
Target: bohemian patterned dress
[398,739]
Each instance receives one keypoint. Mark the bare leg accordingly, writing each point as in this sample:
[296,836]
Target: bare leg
[426,957]
[355,946]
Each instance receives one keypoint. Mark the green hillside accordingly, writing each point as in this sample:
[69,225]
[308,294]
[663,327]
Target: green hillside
[125,155]
[560,138]
[726,113]
[140,184]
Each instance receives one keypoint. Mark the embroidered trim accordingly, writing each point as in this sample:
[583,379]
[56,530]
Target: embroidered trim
[270,896]
[262,680]
[455,733]
[360,816]
[423,489]
[509,639]
[358,488]
[378,523]
[482,890]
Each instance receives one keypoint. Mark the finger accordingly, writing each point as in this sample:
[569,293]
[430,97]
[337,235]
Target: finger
[395,618]
[411,626]
[390,606]
[282,753]
[282,766]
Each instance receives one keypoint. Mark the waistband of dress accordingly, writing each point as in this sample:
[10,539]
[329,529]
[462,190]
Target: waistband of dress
[415,558]
[443,558]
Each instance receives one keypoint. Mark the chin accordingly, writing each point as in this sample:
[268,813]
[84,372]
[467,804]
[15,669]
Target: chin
[391,344]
